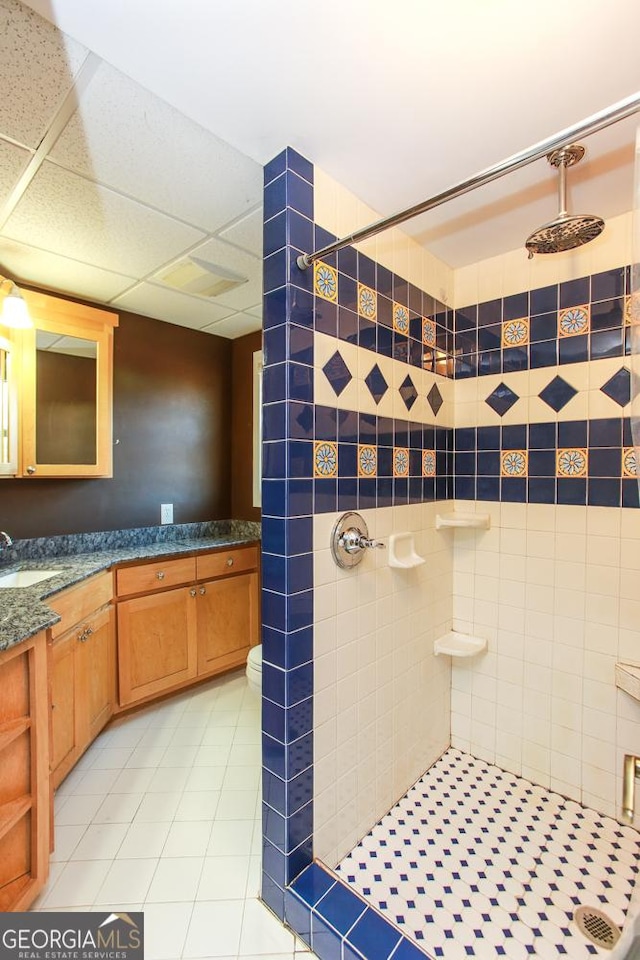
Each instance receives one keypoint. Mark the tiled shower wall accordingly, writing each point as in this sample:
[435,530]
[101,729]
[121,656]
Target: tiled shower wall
[543,445]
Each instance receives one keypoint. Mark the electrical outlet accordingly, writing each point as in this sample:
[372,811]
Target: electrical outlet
[166,513]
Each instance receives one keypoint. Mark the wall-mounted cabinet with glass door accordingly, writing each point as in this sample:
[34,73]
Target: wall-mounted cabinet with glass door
[56,382]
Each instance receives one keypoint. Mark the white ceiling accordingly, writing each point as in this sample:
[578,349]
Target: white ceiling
[398,101]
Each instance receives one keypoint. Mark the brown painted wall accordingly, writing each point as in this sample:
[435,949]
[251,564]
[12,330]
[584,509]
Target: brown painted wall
[242,428]
[172,417]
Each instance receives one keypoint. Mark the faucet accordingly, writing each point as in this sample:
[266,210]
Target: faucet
[5,541]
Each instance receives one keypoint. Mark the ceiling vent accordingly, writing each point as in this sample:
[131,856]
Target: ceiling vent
[201,278]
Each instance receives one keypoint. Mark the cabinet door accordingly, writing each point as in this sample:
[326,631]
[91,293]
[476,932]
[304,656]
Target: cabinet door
[96,672]
[156,643]
[227,622]
[65,733]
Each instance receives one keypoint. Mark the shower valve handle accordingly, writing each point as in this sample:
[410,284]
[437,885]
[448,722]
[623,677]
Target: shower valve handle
[353,540]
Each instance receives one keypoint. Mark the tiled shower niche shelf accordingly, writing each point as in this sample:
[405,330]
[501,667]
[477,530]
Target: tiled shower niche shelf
[469,521]
[628,679]
[454,644]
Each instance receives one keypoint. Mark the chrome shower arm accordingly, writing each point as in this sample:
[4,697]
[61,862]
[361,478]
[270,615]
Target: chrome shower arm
[598,121]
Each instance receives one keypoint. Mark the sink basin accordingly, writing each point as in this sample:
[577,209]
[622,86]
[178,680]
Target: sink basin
[26,578]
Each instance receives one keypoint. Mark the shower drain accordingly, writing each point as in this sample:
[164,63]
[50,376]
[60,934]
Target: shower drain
[597,927]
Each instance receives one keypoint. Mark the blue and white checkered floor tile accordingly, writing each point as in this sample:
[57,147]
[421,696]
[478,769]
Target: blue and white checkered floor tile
[476,862]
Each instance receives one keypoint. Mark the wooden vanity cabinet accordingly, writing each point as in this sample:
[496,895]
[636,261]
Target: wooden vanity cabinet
[24,785]
[193,617]
[82,671]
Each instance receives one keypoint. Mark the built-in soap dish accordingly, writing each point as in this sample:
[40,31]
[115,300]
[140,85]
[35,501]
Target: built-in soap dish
[454,644]
[402,551]
[472,521]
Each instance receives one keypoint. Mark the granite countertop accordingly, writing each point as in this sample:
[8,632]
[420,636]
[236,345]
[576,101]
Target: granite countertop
[24,610]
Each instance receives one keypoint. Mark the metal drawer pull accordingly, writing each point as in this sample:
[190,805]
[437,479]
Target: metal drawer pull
[230,562]
[160,575]
[203,590]
[192,592]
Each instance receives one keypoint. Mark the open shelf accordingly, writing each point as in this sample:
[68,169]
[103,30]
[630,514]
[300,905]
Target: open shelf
[470,521]
[12,811]
[454,644]
[11,729]
[628,679]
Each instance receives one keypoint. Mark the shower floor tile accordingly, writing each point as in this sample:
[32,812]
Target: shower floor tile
[476,862]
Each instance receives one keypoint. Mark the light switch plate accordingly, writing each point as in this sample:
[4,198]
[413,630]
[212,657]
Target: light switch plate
[166,513]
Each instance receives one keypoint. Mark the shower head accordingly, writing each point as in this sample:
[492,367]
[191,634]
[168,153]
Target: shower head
[567,231]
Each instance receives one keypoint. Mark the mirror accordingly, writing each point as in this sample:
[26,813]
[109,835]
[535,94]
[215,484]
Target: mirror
[66,399]
[8,431]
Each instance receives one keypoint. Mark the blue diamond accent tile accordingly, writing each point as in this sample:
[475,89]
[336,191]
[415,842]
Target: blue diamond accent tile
[435,400]
[502,399]
[557,393]
[376,383]
[618,388]
[408,392]
[337,373]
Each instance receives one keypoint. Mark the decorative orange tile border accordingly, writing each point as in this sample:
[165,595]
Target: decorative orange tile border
[367,461]
[514,463]
[401,318]
[428,463]
[515,333]
[325,281]
[367,302]
[574,321]
[400,462]
[325,458]
[572,462]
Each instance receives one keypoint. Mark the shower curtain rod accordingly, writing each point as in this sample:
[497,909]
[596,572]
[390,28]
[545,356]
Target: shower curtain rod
[605,118]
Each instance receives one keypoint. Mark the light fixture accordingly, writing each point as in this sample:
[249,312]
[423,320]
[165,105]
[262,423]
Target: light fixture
[15,313]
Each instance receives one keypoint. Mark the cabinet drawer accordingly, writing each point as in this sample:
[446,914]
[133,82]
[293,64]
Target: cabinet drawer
[147,577]
[224,562]
[78,602]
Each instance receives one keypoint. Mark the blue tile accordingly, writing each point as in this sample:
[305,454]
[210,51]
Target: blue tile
[275,197]
[348,426]
[488,438]
[428,489]
[574,292]
[337,373]
[300,231]
[299,682]
[466,366]
[465,438]
[326,317]
[274,791]
[488,488]
[275,270]
[489,313]
[542,463]
[606,432]
[516,306]
[606,343]
[340,907]
[542,490]
[275,308]
[348,459]
[544,300]
[400,433]
[347,493]
[298,756]
[273,895]
[274,383]
[326,943]
[513,489]
[274,498]
[299,573]
[607,314]
[324,238]
[298,163]
[300,344]
[543,354]
[630,493]
[544,327]
[384,343]
[604,493]
[488,464]
[301,420]
[274,234]
[466,342]
[325,495]
[542,436]
[299,497]
[367,493]
[274,460]
[627,438]
[299,828]
[376,383]
[347,292]
[466,318]
[300,382]
[465,487]
[274,344]
[273,756]
[301,307]
[557,393]
[408,951]
[299,458]
[434,399]
[573,349]
[299,535]
[608,284]
[299,278]
[572,491]
[300,790]
[400,347]
[416,353]
[274,573]
[502,399]
[326,427]
[299,195]
[273,684]
[312,884]
[367,428]
[385,312]
[605,461]
[373,936]
[514,359]
[367,334]
[348,262]
[572,433]
[400,490]
[348,325]
[385,461]
[618,387]
[465,464]
[367,272]
[274,863]
[297,915]
[490,337]
[385,491]
[298,860]
[275,167]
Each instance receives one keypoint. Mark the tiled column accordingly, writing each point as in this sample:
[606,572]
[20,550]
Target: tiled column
[287,504]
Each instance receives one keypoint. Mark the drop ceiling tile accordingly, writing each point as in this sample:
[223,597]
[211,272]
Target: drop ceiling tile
[255,311]
[37,66]
[237,325]
[129,139]
[13,160]
[223,254]
[165,304]
[75,218]
[45,269]
[246,233]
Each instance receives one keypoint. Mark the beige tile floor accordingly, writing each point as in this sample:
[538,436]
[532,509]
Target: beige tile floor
[162,814]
